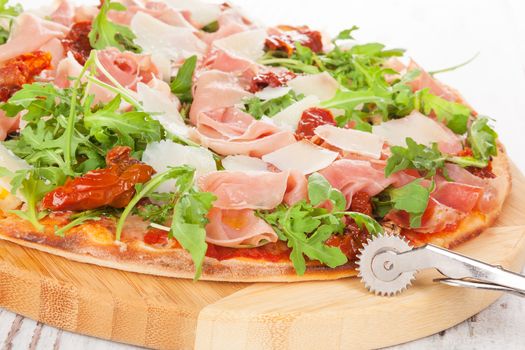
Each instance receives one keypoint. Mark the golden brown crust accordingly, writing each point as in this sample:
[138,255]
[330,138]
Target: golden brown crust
[93,243]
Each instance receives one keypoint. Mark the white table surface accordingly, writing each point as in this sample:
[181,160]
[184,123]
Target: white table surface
[438,34]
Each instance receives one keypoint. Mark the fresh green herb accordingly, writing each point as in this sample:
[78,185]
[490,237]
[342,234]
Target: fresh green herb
[415,156]
[211,27]
[77,219]
[306,227]
[453,68]
[9,13]
[258,108]
[349,100]
[482,139]
[157,213]
[105,33]
[181,84]
[412,198]
[454,115]
[345,34]
[189,211]
[33,184]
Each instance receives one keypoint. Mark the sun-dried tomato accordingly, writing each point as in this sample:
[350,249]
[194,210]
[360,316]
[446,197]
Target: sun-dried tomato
[269,78]
[311,119]
[361,202]
[484,173]
[286,40]
[156,236]
[21,70]
[112,186]
[77,41]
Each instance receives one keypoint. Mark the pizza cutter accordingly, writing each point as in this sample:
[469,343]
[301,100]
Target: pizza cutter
[388,264]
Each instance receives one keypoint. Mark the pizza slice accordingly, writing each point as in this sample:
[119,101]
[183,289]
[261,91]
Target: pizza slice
[194,143]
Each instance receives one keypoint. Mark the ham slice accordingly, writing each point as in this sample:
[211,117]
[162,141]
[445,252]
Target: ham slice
[351,175]
[245,190]
[29,34]
[200,13]
[437,217]
[296,188]
[237,228]
[64,13]
[7,125]
[303,156]
[422,129]
[215,89]
[157,37]
[67,68]
[158,10]
[425,80]
[458,196]
[350,140]
[127,68]
[231,21]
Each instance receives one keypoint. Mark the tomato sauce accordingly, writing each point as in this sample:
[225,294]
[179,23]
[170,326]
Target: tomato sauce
[274,252]
[311,119]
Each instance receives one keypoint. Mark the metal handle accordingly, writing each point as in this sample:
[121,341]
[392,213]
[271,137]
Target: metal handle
[460,270]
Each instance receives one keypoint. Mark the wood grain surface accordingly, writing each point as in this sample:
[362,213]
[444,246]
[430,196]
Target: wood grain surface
[181,314]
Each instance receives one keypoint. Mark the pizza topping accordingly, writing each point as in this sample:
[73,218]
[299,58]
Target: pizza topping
[244,163]
[77,41]
[271,79]
[30,34]
[311,118]
[351,176]
[349,140]
[239,190]
[112,186]
[247,45]
[303,156]
[155,236]
[321,85]
[421,129]
[237,228]
[21,70]
[288,36]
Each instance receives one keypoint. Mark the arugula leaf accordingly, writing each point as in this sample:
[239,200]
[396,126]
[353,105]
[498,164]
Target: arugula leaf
[412,198]
[88,215]
[415,156]
[258,108]
[349,100]
[181,84]
[346,34]
[33,184]
[211,27]
[105,33]
[482,139]
[454,115]
[157,213]
[8,12]
[320,190]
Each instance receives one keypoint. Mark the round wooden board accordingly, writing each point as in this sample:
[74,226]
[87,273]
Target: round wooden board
[161,312]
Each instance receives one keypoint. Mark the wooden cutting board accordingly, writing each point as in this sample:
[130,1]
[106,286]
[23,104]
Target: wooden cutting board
[180,314]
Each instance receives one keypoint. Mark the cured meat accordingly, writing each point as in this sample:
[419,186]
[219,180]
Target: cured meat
[215,89]
[29,34]
[350,176]
[425,80]
[64,13]
[235,228]
[158,10]
[231,21]
[245,190]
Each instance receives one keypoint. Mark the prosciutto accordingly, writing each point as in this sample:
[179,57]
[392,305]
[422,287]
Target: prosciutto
[237,228]
[29,34]
[245,190]
[229,131]
[352,175]
[7,125]
[215,89]
[158,10]
[231,21]
[64,13]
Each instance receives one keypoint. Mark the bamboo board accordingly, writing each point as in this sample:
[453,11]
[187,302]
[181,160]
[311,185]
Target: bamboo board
[169,313]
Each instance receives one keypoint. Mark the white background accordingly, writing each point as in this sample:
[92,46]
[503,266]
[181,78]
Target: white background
[437,34]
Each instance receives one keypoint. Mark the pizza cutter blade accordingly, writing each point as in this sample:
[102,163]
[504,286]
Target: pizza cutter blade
[388,264]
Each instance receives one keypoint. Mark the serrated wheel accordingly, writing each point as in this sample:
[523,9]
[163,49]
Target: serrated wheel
[373,247]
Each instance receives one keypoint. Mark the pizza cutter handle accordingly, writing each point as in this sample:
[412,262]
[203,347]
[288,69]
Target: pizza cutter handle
[459,269]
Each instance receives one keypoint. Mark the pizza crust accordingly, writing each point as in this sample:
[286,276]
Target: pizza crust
[87,246]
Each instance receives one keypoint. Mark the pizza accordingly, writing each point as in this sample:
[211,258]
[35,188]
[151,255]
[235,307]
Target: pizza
[183,139]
